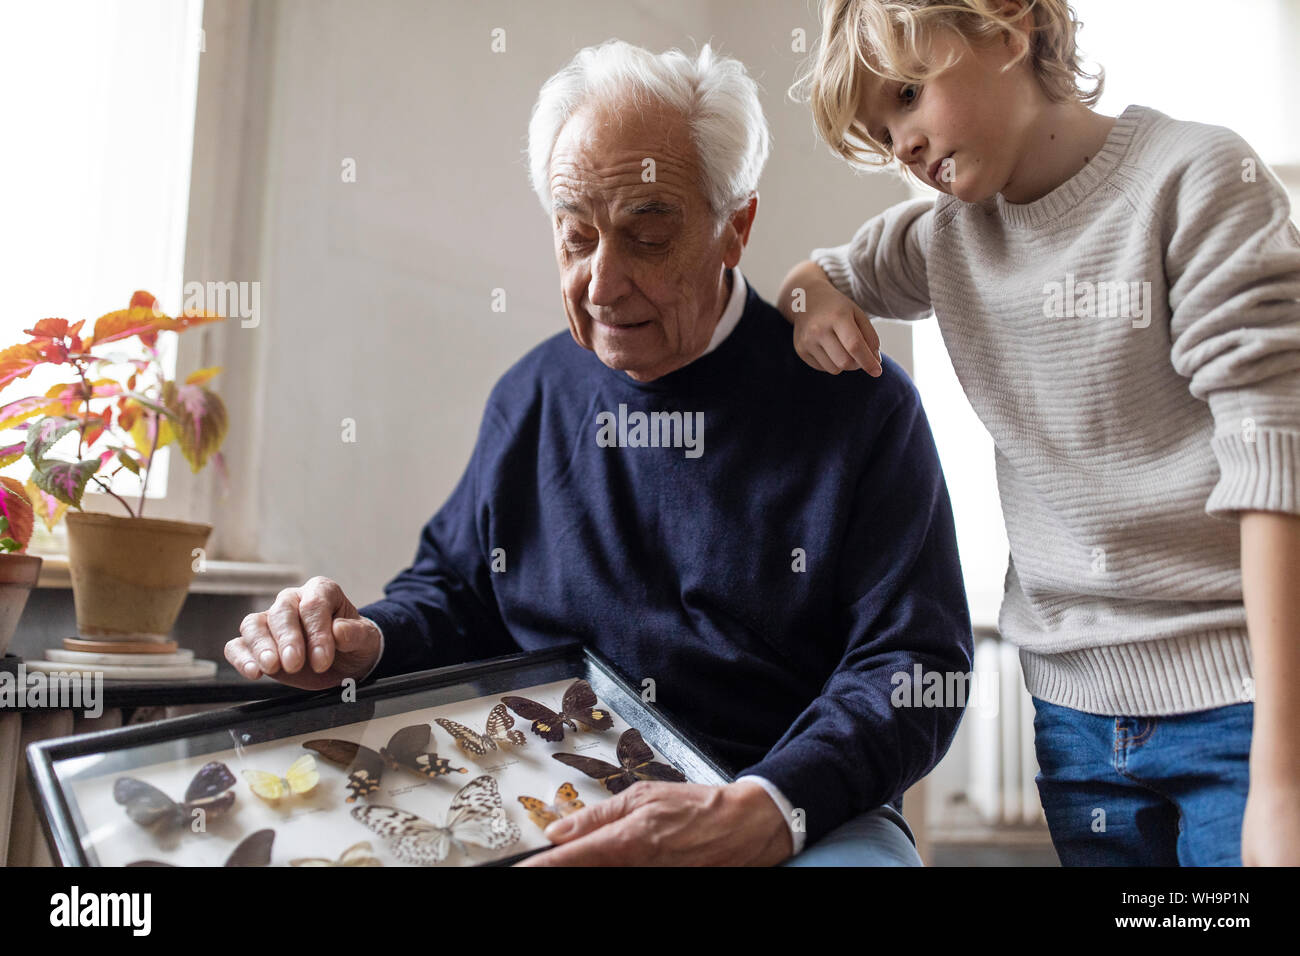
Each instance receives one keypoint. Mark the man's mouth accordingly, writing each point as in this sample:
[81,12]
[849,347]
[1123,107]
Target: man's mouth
[622,326]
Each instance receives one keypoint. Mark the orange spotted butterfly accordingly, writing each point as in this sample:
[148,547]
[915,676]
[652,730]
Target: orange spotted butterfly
[544,814]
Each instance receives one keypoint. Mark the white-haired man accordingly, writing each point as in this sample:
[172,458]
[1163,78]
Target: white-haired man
[774,582]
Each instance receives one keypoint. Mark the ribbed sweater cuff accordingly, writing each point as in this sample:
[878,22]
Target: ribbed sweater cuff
[1258,475]
[835,263]
[1175,675]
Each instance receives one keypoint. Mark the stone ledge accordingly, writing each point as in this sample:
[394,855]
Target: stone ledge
[217,577]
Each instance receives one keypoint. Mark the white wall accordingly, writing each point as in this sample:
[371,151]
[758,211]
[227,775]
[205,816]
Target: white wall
[376,294]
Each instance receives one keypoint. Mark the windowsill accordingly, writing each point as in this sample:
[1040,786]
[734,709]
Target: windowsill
[217,577]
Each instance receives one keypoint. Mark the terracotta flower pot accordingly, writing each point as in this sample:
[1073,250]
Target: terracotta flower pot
[18,574]
[130,576]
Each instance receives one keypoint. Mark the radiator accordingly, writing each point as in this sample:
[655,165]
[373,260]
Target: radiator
[1003,764]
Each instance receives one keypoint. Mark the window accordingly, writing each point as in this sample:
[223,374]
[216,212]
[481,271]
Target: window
[96,185]
[1192,60]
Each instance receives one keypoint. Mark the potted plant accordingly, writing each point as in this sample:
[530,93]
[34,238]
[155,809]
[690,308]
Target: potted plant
[18,571]
[130,574]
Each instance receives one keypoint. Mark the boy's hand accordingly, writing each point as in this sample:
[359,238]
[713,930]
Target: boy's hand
[830,332]
[1270,831]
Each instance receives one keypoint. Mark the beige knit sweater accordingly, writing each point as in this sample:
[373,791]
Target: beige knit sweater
[1131,340]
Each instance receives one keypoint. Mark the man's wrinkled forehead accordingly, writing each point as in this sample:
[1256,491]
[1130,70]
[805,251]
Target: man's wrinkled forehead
[565,202]
[630,166]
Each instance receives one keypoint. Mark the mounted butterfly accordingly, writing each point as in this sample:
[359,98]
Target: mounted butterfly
[300,779]
[208,795]
[253,850]
[358,854]
[495,734]
[544,814]
[408,750]
[636,761]
[476,815]
[578,707]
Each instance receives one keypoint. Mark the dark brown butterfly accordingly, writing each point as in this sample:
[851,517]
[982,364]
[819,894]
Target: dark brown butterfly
[638,763]
[408,749]
[253,850]
[578,707]
[209,791]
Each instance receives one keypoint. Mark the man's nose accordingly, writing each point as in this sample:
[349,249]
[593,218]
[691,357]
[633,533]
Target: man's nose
[609,278]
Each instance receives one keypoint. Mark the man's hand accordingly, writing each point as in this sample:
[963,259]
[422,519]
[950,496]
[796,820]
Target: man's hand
[830,332]
[314,624]
[672,824]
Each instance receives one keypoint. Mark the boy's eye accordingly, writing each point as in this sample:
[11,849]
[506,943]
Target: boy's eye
[912,88]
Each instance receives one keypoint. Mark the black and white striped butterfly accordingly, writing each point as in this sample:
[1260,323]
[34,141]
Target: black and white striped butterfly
[496,732]
[476,815]
[578,707]
[408,749]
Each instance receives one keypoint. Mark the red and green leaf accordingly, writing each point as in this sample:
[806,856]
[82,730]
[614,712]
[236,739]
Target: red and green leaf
[48,508]
[201,421]
[65,480]
[17,510]
[42,436]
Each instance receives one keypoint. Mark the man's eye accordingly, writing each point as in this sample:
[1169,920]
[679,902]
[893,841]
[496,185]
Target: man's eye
[650,244]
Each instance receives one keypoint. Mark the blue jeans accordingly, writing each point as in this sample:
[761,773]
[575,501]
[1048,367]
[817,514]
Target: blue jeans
[1144,791]
[879,837]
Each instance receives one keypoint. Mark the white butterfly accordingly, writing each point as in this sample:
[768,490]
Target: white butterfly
[476,815]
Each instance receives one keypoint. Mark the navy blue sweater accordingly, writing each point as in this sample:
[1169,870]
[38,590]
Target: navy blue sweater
[772,579]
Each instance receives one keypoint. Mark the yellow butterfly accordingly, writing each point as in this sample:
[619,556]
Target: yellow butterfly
[300,778]
[543,814]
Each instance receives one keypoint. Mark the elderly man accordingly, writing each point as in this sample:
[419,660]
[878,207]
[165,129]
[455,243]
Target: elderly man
[669,484]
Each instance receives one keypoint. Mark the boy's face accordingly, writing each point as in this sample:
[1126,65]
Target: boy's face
[960,131]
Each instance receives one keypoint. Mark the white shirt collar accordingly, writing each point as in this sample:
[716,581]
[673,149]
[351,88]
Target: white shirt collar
[731,314]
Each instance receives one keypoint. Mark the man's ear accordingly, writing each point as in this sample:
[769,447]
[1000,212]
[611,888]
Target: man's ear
[738,231]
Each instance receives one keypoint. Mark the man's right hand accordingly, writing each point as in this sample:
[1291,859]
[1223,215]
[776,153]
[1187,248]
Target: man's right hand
[830,332]
[314,625]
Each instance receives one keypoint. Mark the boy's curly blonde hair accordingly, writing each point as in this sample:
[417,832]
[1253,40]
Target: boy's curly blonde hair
[888,37]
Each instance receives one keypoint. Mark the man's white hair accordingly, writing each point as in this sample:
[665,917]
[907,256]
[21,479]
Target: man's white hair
[713,93]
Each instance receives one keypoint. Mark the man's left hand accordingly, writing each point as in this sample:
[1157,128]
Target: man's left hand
[672,824]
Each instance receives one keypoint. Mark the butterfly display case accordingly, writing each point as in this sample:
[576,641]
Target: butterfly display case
[457,766]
